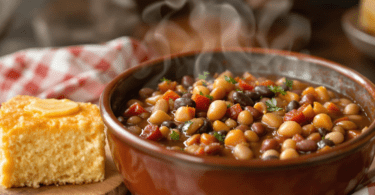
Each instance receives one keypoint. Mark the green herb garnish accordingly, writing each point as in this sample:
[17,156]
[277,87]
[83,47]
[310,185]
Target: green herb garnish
[277,89]
[175,136]
[207,96]
[219,137]
[271,105]
[228,105]
[230,79]
[289,83]
[239,90]
[164,79]
[204,84]
[204,76]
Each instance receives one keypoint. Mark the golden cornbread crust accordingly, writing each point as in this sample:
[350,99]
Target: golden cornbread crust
[36,149]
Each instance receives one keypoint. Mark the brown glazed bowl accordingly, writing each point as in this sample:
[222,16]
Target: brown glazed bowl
[149,168]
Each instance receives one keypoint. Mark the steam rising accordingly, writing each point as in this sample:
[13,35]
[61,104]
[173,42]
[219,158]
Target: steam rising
[222,24]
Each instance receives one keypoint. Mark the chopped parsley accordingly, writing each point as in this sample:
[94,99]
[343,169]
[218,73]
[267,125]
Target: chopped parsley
[175,136]
[207,96]
[204,76]
[230,79]
[289,83]
[271,105]
[277,89]
[228,105]
[219,137]
[164,79]
[239,90]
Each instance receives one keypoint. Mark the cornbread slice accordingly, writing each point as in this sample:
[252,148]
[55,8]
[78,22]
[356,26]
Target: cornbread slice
[49,141]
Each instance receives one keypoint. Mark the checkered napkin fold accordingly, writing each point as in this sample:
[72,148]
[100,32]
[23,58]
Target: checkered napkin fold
[79,73]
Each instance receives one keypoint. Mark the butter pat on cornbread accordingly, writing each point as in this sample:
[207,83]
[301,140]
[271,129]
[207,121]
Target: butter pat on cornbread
[49,141]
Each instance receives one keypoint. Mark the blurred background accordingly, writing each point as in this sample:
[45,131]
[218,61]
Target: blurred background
[44,23]
[169,26]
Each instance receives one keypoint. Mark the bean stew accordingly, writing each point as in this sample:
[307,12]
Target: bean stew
[243,116]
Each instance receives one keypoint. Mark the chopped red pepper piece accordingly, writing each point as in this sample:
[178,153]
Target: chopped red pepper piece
[234,111]
[151,132]
[202,102]
[244,85]
[332,108]
[167,85]
[345,118]
[307,118]
[267,83]
[199,151]
[134,110]
[170,95]
[295,115]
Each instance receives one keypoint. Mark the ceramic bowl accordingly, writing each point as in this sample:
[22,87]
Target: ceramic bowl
[149,168]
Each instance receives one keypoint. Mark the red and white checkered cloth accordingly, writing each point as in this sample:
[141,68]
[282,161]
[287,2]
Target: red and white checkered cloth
[79,73]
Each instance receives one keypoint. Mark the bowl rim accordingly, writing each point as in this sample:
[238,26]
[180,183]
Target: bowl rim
[156,150]
[350,24]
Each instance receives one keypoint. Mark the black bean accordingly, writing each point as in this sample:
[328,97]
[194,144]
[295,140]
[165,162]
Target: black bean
[322,131]
[253,95]
[325,142]
[242,99]
[258,128]
[187,81]
[264,91]
[206,127]
[187,95]
[308,98]
[179,102]
[169,124]
[284,87]
[306,146]
[292,105]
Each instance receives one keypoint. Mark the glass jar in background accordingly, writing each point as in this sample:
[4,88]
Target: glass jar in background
[72,22]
